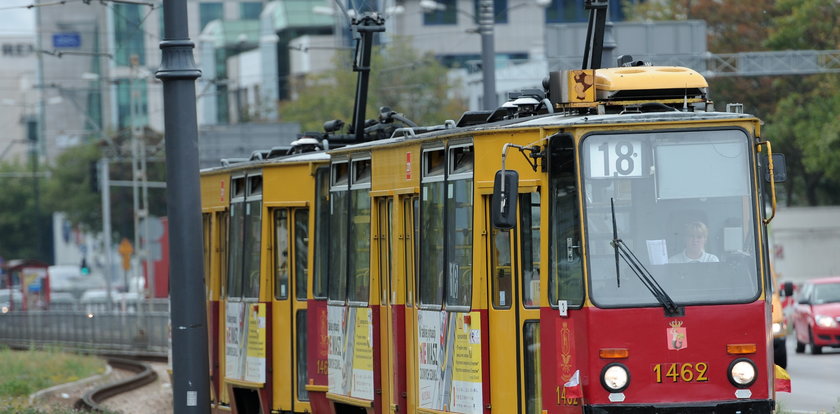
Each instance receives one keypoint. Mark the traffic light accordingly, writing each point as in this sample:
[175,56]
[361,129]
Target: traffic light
[83,268]
[93,176]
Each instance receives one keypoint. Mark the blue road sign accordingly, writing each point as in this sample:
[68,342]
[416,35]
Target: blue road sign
[67,40]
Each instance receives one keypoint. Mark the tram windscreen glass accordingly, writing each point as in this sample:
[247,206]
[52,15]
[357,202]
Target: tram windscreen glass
[683,207]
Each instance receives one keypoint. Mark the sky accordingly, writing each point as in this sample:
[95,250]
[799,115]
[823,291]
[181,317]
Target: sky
[15,19]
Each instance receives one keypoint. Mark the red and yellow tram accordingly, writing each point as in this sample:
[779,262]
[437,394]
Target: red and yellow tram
[624,268]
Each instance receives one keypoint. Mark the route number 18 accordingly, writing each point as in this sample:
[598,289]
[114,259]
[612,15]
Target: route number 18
[615,159]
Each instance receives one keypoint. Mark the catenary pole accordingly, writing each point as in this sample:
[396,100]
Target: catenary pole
[486,20]
[191,390]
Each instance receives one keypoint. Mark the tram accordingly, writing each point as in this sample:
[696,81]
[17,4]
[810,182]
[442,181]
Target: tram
[599,246]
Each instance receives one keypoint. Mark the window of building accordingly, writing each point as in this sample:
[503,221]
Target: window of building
[568,11]
[125,117]
[250,10]
[128,28]
[209,11]
[447,15]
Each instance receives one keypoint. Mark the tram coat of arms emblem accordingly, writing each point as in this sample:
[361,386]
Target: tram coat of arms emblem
[676,335]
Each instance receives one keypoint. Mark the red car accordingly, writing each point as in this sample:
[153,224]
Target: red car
[816,316]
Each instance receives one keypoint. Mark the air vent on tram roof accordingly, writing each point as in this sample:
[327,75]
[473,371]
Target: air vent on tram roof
[279,151]
[259,155]
[227,162]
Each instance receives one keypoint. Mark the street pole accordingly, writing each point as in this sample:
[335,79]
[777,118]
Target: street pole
[191,387]
[105,191]
[486,19]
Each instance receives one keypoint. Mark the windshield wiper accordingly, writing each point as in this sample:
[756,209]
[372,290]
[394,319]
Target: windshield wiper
[647,279]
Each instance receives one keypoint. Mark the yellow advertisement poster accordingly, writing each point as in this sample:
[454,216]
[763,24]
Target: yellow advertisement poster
[255,364]
[363,355]
[466,394]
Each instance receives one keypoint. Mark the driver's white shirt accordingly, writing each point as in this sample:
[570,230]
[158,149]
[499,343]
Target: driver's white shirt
[682,258]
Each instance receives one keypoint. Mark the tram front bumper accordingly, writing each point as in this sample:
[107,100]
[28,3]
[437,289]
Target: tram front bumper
[721,407]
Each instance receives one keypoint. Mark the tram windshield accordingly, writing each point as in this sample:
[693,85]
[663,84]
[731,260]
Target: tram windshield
[681,203]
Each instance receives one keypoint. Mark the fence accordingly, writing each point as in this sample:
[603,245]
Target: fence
[114,332]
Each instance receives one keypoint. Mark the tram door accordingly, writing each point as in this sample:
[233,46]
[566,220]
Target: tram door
[390,329]
[290,234]
[514,277]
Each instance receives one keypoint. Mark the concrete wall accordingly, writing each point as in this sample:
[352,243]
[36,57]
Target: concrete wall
[805,242]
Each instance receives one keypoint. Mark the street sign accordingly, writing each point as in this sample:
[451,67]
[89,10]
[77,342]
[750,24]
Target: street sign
[125,249]
[67,40]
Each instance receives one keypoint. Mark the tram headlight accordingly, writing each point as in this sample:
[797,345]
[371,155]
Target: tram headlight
[777,328]
[615,377]
[825,321]
[742,373]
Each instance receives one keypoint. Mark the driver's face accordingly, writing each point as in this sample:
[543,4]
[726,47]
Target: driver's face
[695,240]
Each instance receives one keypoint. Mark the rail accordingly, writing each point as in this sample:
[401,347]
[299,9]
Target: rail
[145,375]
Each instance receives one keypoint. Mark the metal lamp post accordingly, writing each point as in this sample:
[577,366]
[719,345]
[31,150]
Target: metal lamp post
[191,387]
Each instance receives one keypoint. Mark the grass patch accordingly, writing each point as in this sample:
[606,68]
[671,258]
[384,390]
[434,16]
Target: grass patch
[26,372]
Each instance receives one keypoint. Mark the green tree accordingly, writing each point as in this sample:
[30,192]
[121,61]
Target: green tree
[70,190]
[806,121]
[70,187]
[401,78]
[806,128]
[23,224]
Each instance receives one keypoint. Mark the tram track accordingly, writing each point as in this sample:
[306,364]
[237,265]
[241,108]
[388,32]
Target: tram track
[92,400]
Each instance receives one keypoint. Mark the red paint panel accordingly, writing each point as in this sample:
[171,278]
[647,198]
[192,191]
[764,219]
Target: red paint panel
[699,356]
[485,357]
[266,392]
[213,332]
[317,350]
[398,315]
[377,360]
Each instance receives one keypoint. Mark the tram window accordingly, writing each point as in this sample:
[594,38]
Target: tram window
[281,254]
[222,222]
[251,265]
[359,283]
[678,163]
[412,230]
[338,246]
[300,355]
[433,162]
[500,260]
[459,208]
[236,250]
[206,220]
[533,368]
[566,281]
[529,210]
[431,244]
[461,160]
[386,273]
[301,252]
[322,230]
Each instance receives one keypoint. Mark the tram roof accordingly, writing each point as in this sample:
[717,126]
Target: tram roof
[307,157]
[553,121]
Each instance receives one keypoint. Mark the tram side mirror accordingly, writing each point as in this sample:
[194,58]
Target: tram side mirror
[779,169]
[503,204]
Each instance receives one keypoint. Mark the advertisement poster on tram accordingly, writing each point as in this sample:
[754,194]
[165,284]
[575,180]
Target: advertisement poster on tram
[255,347]
[350,332]
[449,359]
[245,342]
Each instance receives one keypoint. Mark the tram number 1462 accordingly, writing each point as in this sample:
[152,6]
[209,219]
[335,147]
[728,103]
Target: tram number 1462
[685,372]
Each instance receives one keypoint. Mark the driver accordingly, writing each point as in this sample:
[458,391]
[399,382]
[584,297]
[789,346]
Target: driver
[695,245]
